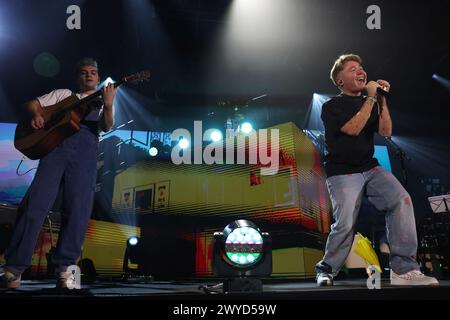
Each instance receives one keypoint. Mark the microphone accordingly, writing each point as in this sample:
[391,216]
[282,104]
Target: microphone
[382,92]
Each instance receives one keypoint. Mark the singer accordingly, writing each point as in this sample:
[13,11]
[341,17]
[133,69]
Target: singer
[350,121]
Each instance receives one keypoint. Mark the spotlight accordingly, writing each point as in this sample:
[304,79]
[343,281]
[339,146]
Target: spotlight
[153,152]
[246,127]
[133,255]
[108,81]
[155,148]
[312,120]
[441,80]
[183,143]
[105,83]
[132,241]
[241,253]
[216,136]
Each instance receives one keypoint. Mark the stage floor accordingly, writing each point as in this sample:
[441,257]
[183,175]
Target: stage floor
[285,290]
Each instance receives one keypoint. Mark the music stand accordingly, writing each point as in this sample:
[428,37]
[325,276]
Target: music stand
[440,204]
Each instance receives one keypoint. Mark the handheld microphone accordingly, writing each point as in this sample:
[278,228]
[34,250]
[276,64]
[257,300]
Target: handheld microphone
[382,92]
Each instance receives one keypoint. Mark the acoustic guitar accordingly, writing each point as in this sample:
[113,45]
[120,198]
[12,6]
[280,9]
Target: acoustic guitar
[61,121]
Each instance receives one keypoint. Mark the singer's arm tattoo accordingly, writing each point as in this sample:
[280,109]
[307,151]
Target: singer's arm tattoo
[354,126]
[385,122]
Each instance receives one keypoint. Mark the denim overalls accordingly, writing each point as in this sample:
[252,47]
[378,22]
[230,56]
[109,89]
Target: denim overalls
[73,166]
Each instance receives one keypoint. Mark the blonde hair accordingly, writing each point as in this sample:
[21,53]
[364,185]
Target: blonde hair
[339,64]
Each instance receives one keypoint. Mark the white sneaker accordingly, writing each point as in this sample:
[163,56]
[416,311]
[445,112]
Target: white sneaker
[412,278]
[9,280]
[324,279]
[66,280]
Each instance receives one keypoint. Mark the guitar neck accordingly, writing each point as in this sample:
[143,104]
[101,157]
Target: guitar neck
[143,75]
[93,96]
[96,94]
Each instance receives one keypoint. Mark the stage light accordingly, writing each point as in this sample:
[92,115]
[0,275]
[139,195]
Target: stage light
[216,136]
[107,81]
[442,81]
[243,245]
[183,143]
[312,120]
[153,151]
[242,253]
[132,256]
[132,241]
[246,127]
[156,147]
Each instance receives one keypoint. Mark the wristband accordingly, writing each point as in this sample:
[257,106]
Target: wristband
[374,99]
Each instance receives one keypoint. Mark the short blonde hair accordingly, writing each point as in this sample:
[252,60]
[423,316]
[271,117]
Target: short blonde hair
[339,64]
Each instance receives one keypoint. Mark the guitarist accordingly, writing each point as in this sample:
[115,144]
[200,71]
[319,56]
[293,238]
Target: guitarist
[73,166]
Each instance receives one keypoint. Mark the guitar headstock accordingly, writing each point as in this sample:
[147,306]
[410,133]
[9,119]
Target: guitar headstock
[137,77]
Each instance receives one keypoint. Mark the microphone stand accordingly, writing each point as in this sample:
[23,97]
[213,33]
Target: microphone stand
[402,155]
[399,151]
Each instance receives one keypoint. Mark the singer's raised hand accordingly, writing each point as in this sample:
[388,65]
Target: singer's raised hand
[371,88]
[386,86]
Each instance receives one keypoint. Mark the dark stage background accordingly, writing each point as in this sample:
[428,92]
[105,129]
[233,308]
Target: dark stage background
[203,52]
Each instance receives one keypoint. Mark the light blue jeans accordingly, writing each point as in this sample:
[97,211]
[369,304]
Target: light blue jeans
[386,193]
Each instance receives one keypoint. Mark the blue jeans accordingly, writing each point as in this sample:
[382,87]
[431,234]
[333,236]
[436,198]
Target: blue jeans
[75,160]
[386,193]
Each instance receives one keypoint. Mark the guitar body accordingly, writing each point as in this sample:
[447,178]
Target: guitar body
[36,144]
